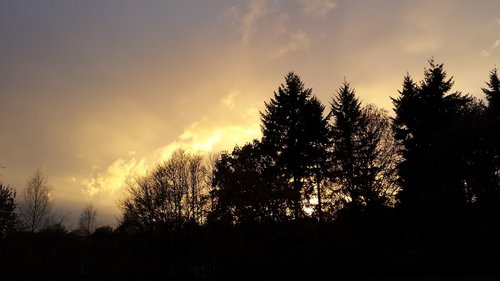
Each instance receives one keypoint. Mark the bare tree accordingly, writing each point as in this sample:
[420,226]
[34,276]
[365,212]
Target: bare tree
[210,162]
[206,195]
[87,222]
[171,194]
[386,155]
[36,206]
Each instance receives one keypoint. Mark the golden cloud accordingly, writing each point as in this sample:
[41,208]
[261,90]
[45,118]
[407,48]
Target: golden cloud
[114,177]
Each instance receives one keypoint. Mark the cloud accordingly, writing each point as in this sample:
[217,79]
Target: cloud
[114,177]
[228,100]
[257,9]
[317,7]
[422,44]
[204,137]
[232,119]
[281,25]
[496,44]
[297,41]
[278,34]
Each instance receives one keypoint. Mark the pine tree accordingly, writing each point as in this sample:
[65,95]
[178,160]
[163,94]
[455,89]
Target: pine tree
[493,91]
[8,217]
[488,154]
[357,136]
[348,123]
[405,125]
[425,116]
[294,133]
[493,114]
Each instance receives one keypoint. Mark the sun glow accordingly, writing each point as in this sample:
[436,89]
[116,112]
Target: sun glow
[133,89]
[114,177]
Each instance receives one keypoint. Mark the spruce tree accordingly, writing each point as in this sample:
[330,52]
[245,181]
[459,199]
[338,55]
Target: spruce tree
[348,123]
[404,127]
[425,116]
[358,148]
[493,91]
[489,160]
[493,114]
[8,217]
[294,135]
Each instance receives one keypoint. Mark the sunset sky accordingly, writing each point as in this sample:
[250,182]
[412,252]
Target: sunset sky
[93,91]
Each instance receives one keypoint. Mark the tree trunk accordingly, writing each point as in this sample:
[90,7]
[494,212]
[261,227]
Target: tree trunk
[320,210]
[296,197]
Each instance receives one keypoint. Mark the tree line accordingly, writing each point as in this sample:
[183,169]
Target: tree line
[35,212]
[347,186]
[437,156]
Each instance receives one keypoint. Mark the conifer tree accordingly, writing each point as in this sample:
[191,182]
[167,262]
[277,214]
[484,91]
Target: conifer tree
[348,123]
[487,175]
[360,154]
[493,91]
[493,113]
[8,217]
[425,116]
[294,134]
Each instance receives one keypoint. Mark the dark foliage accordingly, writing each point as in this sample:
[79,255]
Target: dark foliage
[8,217]
[247,187]
[247,218]
[362,154]
[430,123]
[358,245]
[294,133]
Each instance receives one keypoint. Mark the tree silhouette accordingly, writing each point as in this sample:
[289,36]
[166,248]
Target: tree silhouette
[424,115]
[347,127]
[242,214]
[293,132]
[171,194]
[87,222]
[36,207]
[8,217]
[485,176]
[404,126]
[380,158]
[198,191]
[210,163]
[493,114]
[246,187]
[493,90]
[363,152]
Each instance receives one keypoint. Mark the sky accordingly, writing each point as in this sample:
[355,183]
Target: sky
[92,92]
